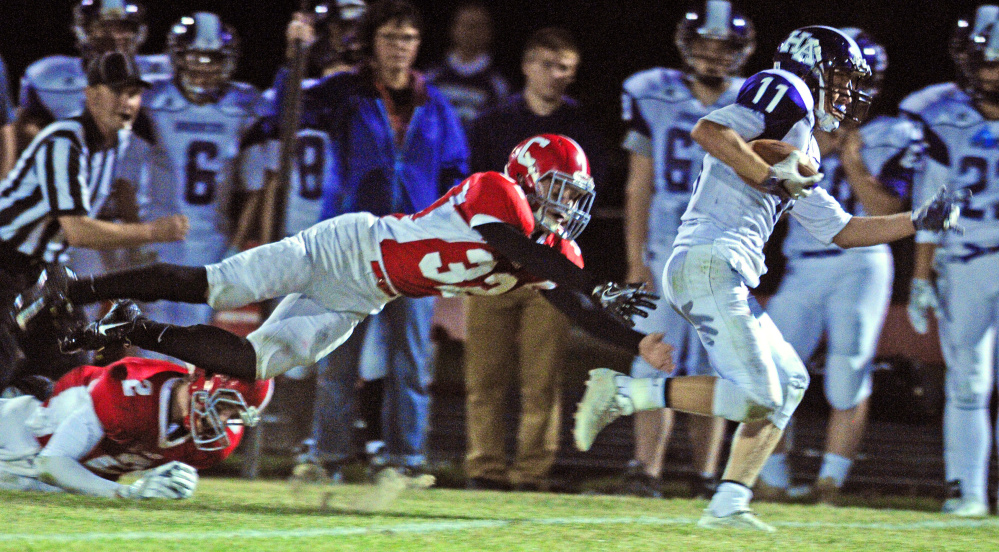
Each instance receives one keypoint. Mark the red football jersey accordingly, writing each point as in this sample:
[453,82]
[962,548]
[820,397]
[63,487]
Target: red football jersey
[132,401]
[437,251]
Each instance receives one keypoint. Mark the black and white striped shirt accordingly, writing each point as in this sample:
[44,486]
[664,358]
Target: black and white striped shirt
[65,171]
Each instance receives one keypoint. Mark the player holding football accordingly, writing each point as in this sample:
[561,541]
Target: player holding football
[135,414]
[818,78]
[958,120]
[490,234]
[660,107]
[844,293]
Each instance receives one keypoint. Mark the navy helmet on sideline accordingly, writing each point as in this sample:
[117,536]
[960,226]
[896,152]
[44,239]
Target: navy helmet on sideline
[975,43]
[204,53]
[105,25]
[833,68]
[715,41]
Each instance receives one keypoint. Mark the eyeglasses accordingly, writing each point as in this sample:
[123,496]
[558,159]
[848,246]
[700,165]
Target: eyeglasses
[405,39]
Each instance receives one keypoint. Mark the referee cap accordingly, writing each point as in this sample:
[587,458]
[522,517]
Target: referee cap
[116,70]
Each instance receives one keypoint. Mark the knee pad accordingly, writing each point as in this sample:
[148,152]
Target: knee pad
[733,403]
[847,382]
[794,380]
[964,394]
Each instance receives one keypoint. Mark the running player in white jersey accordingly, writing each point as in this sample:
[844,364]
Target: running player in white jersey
[718,255]
[490,234]
[844,293]
[660,107]
[959,123]
[185,157]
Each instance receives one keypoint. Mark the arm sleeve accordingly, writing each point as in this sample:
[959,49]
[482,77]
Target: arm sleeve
[595,320]
[540,260]
[821,215]
[59,462]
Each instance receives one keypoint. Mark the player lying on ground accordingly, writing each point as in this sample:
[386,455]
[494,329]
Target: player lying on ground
[490,234]
[135,414]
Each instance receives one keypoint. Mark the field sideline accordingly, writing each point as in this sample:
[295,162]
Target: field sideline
[232,514]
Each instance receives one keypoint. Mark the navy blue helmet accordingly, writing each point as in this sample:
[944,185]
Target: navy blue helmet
[204,53]
[974,44]
[107,25]
[834,69]
[715,20]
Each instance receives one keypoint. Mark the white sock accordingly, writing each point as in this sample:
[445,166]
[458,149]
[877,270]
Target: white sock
[776,471]
[731,497]
[966,448]
[836,467]
[645,393]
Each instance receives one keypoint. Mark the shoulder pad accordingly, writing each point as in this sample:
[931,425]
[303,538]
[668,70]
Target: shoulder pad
[56,73]
[144,368]
[242,98]
[163,95]
[890,131]
[662,83]
[920,100]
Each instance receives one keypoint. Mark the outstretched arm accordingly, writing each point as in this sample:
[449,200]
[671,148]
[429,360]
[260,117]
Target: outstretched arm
[540,260]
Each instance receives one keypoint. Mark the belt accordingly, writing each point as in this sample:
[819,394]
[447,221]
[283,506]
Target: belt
[382,281]
[820,254]
[974,251]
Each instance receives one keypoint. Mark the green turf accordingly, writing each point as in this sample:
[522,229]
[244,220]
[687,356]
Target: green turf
[239,516]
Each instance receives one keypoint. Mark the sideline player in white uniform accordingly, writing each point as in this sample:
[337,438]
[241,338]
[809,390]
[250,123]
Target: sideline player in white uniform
[184,156]
[490,234]
[102,422]
[718,256]
[959,124]
[660,107]
[844,293]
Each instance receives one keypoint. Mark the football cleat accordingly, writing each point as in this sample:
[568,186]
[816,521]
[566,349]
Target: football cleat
[112,329]
[601,405]
[48,294]
[738,520]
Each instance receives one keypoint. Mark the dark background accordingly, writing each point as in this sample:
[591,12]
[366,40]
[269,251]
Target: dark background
[617,38]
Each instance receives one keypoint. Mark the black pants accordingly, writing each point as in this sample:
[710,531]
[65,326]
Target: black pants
[35,351]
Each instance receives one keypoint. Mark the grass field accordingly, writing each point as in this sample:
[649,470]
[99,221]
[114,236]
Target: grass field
[236,515]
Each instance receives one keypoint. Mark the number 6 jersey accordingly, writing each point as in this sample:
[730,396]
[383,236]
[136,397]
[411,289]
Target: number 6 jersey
[188,161]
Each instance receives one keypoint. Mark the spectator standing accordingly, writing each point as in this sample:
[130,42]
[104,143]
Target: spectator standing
[466,76]
[398,145]
[519,336]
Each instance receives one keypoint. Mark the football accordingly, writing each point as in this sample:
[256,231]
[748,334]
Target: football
[775,151]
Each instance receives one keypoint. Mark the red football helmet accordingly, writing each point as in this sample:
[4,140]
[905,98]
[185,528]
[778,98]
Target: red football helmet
[555,175]
[213,398]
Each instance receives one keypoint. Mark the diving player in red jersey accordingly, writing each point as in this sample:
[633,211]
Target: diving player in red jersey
[492,233]
[135,414]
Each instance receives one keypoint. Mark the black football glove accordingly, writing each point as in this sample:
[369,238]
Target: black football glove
[623,301]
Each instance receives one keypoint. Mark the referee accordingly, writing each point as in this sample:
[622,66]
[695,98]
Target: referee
[50,200]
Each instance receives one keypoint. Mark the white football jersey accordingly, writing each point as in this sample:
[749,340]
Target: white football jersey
[186,158]
[727,212]
[961,151]
[660,112]
[891,147]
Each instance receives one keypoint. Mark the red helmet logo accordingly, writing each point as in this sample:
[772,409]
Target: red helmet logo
[555,174]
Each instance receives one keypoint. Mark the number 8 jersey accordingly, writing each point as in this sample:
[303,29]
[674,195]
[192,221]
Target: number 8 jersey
[438,252]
